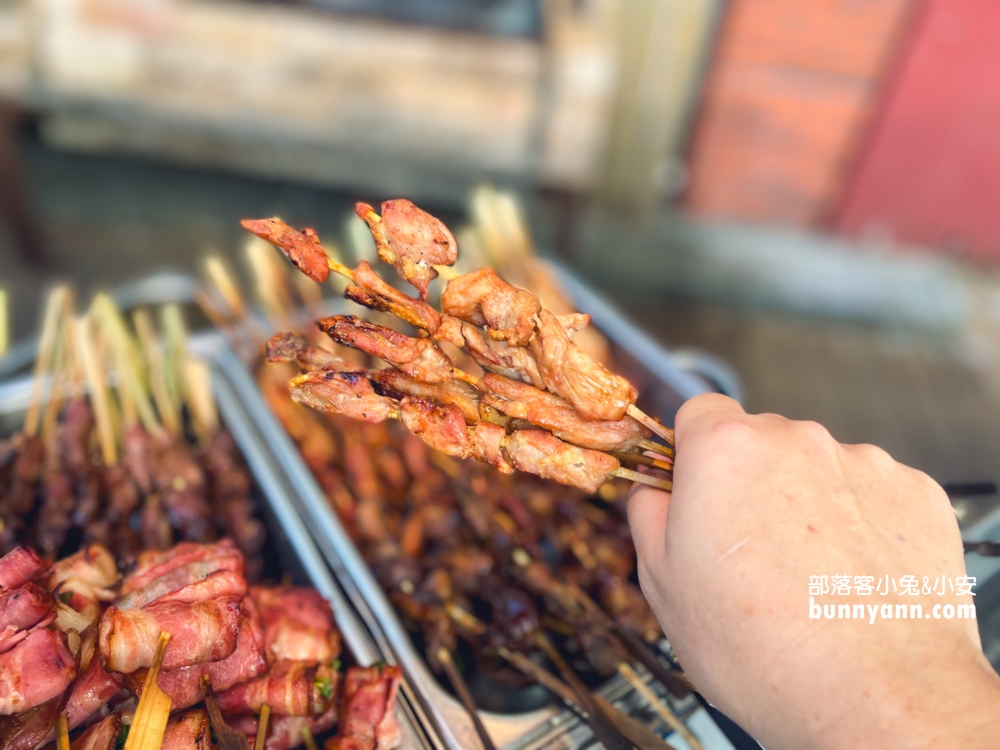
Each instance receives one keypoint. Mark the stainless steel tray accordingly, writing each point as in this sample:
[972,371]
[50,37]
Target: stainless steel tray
[548,727]
[289,537]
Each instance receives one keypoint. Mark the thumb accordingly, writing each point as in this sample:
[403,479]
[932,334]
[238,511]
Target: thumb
[647,517]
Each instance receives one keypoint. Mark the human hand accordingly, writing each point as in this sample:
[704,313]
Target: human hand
[760,504]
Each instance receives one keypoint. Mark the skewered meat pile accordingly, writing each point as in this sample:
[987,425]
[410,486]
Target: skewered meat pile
[451,539]
[78,642]
[68,480]
[559,409]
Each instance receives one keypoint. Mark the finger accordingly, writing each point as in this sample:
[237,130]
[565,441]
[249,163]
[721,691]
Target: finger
[647,517]
[701,412]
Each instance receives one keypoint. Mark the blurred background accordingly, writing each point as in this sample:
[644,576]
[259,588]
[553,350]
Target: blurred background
[805,190]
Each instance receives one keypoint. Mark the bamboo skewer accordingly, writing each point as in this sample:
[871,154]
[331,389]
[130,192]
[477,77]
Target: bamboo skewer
[198,380]
[599,722]
[62,733]
[54,307]
[153,711]
[229,738]
[635,476]
[465,695]
[661,708]
[153,351]
[127,362]
[636,733]
[261,740]
[220,276]
[651,424]
[649,445]
[174,352]
[63,371]
[98,393]
[676,682]
[645,460]
[308,739]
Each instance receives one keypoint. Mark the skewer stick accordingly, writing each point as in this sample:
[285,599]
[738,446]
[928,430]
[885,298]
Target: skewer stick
[46,346]
[98,394]
[458,682]
[221,277]
[644,419]
[654,447]
[62,733]
[229,738]
[153,711]
[605,732]
[153,350]
[676,682]
[645,460]
[661,708]
[633,731]
[265,716]
[308,739]
[635,476]
[126,360]
[271,290]
[201,402]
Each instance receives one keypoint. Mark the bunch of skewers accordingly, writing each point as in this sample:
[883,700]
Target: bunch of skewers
[135,467]
[506,565]
[128,662]
[543,406]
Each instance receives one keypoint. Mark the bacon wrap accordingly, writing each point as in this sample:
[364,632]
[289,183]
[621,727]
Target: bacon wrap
[28,730]
[154,564]
[484,299]
[92,565]
[301,248]
[441,427]
[199,632]
[541,453]
[91,691]
[487,445]
[20,610]
[19,566]
[285,732]
[245,663]
[290,688]
[370,290]
[517,399]
[189,731]
[570,372]
[419,358]
[199,573]
[347,393]
[37,670]
[298,625]
[101,736]
[368,710]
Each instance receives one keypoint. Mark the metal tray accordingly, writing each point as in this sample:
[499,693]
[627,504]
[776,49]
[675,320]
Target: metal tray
[288,537]
[667,386]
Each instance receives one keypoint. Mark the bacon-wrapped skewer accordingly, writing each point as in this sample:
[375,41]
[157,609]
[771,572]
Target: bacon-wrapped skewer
[366,716]
[509,315]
